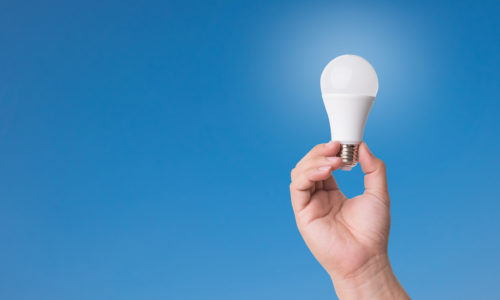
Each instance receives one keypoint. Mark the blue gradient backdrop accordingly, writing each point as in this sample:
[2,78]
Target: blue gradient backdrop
[145,147]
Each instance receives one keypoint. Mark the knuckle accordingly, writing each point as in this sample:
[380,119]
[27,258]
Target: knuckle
[317,148]
[381,163]
[382,166]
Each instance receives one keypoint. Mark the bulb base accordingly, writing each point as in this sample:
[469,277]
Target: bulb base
[349,155]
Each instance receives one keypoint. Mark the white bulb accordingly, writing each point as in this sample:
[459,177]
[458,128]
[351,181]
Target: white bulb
[349,85]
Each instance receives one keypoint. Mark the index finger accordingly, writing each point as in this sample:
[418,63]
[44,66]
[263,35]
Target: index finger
[327,149]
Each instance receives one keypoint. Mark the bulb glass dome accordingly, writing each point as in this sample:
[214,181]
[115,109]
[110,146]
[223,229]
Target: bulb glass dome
[349,74]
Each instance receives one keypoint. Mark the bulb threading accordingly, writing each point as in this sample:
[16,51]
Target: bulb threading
[349,156]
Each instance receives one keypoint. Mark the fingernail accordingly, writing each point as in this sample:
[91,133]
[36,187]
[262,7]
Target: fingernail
[330,143]
[333,158]
[326,168]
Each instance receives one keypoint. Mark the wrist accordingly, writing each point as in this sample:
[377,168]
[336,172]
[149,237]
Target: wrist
[375,280]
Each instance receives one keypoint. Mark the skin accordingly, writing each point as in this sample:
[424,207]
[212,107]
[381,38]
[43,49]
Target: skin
[348,237]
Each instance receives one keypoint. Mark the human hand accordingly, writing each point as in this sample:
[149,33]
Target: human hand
[348,237]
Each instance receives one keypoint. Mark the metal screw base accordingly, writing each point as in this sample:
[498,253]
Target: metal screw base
[349,155]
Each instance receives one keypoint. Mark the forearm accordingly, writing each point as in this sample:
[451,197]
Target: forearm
[375,281]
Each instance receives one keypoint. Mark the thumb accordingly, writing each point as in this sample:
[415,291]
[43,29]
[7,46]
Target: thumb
[375,175]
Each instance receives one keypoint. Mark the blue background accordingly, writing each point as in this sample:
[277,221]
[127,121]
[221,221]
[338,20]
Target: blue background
[145,147]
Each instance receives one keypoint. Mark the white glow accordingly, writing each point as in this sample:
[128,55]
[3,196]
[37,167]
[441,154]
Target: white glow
[349,74]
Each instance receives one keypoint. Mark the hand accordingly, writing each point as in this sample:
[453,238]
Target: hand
[348,237]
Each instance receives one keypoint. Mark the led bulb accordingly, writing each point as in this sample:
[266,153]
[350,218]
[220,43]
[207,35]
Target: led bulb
[349,86]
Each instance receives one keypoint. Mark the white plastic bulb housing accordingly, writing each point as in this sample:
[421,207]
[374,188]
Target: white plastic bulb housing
[349,86]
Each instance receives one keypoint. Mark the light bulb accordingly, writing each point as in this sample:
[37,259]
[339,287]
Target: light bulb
[349,86]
